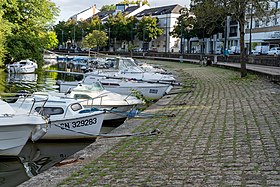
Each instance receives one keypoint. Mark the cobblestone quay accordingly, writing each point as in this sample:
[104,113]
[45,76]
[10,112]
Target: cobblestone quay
[226,132]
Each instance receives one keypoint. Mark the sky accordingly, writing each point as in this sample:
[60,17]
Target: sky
[70,7]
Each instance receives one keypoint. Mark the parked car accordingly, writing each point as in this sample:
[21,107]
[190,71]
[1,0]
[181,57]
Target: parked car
[274,51]
[260,50]
[234,50]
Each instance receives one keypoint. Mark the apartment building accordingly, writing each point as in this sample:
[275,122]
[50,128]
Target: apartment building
[167,18]
[85,14]
[263,31]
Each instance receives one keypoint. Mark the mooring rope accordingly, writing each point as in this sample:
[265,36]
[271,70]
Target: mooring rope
[151,133]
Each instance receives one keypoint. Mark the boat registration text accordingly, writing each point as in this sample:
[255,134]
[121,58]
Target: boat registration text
[78,123]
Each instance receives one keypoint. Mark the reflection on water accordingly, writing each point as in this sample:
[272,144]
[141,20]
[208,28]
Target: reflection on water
[34,159]
[13,83]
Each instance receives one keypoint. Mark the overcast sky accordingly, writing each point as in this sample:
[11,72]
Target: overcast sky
[71,7]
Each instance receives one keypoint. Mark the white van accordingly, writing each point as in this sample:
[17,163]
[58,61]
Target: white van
[260,50]
[234,50]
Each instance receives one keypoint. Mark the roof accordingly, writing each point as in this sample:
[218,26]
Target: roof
[104,14]
[161,10]
[130,9]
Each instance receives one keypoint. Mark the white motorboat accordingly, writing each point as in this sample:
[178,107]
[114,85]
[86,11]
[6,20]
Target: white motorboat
[68,119]
[125,67]
[16,129]
[23,66]
[130,70]
[116,105]
[122,86]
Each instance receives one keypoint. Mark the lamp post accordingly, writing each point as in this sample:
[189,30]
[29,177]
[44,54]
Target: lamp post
[251,22]
[62,37]
[144,28]
[183,13]
[166,34]
[109,39]
[276,9]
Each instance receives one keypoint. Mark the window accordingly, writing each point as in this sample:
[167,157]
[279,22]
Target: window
[49,110]
[257,24]
[82,96]
[247,25]
[153,91]
[267,22]
[76,107]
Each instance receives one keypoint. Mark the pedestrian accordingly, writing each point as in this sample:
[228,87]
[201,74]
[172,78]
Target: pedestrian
[226,54]
[208,62]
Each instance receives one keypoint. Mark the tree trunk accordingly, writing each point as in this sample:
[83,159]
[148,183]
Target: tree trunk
[243,69]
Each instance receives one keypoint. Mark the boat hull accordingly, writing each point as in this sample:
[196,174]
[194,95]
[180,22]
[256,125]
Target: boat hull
[155,92]
[112,112]
[13,138]
[84,127]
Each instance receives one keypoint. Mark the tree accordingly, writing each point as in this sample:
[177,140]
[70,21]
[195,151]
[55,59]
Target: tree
[30,21]
[184,28]
[144,2]
[51,40]
[147,29]
[107,8]
[237,10]
[95,39]
[121,27]
[4,31]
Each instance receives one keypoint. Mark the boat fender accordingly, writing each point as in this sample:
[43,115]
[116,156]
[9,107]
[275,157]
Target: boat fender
[132,113]
[38,132]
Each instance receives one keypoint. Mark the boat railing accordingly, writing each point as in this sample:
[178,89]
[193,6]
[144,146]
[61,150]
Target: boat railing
[68,106]
[101,98]
[34,101]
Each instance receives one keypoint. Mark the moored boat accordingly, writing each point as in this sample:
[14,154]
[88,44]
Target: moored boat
[116,105]
[23,66]
[122,86]
[16,129]
[68,119]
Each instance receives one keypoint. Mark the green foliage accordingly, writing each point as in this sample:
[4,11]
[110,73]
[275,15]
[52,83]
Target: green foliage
[144,2]
[184,27]
[24,47]
[96,39]
[29,22]
[66,31]
[4,31]
[147,29]
[210,17]
[209,12]
[51,40]
[121,27]
[107,8]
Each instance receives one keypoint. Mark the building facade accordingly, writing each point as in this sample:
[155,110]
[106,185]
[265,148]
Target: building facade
[85,14]
[167,19]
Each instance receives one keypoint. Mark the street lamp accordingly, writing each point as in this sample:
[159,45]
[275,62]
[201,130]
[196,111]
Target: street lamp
[276,10]
[251,22]
[62,37]
[166,38]
[183,13]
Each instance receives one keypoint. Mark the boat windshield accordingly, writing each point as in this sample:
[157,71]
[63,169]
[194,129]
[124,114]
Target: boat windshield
[128,64]
[96,86]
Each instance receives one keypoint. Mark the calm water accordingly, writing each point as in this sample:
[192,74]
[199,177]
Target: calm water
[35,157]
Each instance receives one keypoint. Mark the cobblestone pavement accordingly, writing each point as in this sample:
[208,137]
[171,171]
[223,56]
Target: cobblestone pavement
[226,133]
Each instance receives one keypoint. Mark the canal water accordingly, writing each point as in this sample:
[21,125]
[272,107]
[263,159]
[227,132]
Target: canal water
[39,156]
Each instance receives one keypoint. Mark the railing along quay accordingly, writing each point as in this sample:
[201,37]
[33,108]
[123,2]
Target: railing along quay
[264,65]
